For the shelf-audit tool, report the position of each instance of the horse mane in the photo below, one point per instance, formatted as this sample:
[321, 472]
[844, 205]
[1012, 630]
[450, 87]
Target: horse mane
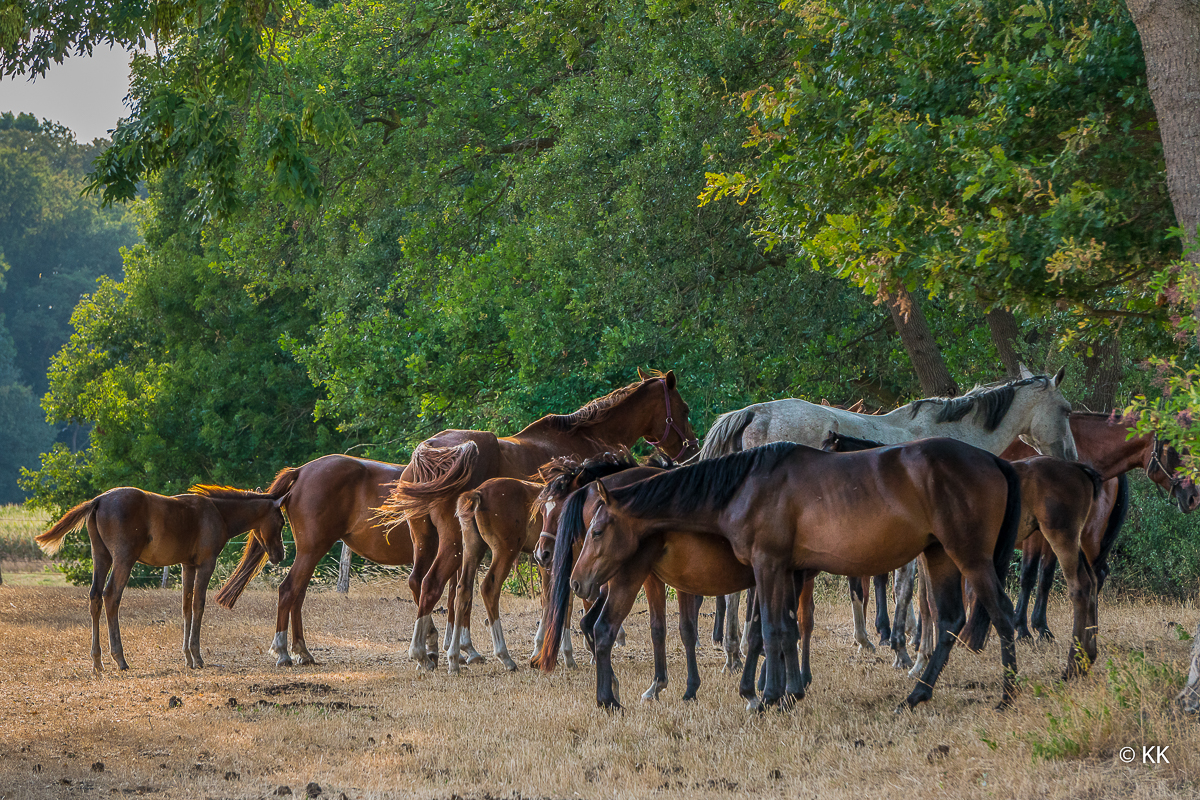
[225, 492]
[707, 484]
[596, 410]
[565, 474]
[990, 402]
[845, 443]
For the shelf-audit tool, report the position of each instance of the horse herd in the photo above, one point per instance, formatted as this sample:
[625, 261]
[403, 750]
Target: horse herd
[939, 490]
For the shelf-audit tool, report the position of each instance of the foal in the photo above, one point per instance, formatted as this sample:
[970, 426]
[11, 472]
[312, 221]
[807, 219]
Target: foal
[128, 526]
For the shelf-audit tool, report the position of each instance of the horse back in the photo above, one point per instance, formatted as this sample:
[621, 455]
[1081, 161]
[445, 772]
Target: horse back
[156, 529]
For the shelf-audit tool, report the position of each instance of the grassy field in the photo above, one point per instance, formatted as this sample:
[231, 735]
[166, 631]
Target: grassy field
[365, 724]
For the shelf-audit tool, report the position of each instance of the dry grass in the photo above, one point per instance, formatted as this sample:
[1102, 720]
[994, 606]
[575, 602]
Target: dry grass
[365, 724]
[18, 526]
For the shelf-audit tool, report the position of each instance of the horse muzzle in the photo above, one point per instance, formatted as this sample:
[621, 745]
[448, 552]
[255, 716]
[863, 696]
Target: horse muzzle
[585, 590]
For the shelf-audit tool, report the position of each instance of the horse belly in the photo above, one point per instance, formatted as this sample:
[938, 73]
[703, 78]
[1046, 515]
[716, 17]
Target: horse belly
[701, 564]
[860, 544]
[393, 548]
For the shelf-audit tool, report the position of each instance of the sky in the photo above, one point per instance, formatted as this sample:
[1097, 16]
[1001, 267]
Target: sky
[85, 93]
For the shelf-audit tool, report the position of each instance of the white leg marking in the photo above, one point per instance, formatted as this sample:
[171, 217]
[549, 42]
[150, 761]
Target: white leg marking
[567, 650]
[860, 627]
[464, 641]
[500, 648]
[453, 635]
[416, 650]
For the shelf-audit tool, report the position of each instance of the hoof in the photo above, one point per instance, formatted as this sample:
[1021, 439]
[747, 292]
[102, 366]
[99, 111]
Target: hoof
[867, 646]
[754, 704]
[1045, 637]
[902, 661]
[570, 662]
[305, 660]
[475, 657]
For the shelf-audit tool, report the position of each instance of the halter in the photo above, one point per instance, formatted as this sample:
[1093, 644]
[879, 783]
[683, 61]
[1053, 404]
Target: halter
[671, 426]
[1155, 462]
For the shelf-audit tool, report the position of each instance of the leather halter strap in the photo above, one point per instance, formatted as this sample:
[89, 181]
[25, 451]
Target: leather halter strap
[671, 426]
[1155, 462]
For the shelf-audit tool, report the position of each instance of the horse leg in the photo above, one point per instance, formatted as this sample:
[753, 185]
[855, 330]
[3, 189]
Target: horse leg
[472, 557]
[1081, 588]
[927, 626]
[444, 567]
[188, 581]
[905, 579]
[719, 621]
[858, 601]
[112, 605]
[945, 583]
[806, 621]
[1031, 557]
[101, 564]
[297, 580]
[689, 634]
[489, 590]
[990, 593]
[754, 647]
[777, 599]
[425, 544]
[656, 599]
[1045, 583]
[614, 609]
[750, 611]
[199, 597]
[882, 620]
[733, 659]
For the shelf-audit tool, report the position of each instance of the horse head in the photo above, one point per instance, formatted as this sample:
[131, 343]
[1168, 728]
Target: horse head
[609, 542]
[1049, 416]
[1165, 468]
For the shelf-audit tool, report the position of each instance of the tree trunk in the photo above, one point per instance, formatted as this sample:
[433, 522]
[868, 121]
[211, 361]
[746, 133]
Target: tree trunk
[1102, 374]
[1170, 32]
[1003, 327]
[922, 350]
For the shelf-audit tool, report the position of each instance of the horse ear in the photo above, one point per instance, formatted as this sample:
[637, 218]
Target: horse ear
[641, 375]
[1058, 377]
[670, 378]
[857, 408]
[280, 501]
[824, 401]
[602, 492]
[1029, 442]
[1024, 371]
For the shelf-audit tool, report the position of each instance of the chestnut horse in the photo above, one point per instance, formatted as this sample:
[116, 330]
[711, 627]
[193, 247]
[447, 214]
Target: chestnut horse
[1056, 498]
[1110, 446]
[452, 462]
[127, 526]
[786, 508]
[329, 498]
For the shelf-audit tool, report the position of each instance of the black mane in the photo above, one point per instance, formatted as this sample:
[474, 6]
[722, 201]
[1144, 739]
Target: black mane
[990, 403]
[707, 484]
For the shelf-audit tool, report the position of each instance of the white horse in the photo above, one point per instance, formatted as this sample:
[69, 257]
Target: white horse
[989, 417]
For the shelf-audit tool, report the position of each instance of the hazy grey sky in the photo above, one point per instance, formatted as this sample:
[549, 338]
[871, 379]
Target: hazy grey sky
[84, 93]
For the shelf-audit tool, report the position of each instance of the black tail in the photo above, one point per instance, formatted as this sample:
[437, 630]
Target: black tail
[975, 633]
[570, 526]
[1116, 520]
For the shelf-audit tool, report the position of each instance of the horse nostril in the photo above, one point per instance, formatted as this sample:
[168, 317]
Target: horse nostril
[575, 587]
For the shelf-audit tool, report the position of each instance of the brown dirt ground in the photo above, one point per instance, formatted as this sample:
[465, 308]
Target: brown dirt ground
[365, 724]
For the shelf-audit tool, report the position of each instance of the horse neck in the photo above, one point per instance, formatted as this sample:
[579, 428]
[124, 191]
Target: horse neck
[241, 513]
[1105, 445]
[925, 425]
[623, 424]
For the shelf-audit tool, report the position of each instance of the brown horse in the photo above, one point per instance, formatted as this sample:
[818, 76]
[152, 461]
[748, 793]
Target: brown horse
[128, 526]
[1056, 498]
[685, 561]
[1110, 446]
[786, 509]
[330, 498]
[453, 462]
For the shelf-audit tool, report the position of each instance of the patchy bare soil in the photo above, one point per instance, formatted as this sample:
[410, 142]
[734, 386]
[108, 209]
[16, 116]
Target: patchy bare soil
[365, 724]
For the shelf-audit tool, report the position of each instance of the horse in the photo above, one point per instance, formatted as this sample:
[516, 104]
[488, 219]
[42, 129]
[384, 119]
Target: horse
[329, 498]
[1056, 500]
[1109, 445]
[693, 565]
[787, 510]
[454, 461]
[989, 417]
[128, 525]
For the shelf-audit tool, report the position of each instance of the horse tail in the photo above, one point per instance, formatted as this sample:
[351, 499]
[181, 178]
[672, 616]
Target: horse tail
[468, 504]
[254, 558]
[570, 525]
[284, 480]
[976, 631]
[51, 541]
[439, 474]
[1116, 519]
[725, 435]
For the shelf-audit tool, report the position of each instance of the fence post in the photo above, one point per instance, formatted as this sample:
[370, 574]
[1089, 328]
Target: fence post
[166, 579]
[343, 584]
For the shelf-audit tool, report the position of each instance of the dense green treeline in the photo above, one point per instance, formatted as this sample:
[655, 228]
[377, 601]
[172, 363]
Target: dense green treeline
[465, 215]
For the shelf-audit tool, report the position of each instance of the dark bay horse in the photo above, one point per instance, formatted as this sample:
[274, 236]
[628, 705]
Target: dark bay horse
[455, 461]
[328, 499]
[1056, 498]
[128, 526]
[786, 509]
[1108, 445]
[694, 564]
